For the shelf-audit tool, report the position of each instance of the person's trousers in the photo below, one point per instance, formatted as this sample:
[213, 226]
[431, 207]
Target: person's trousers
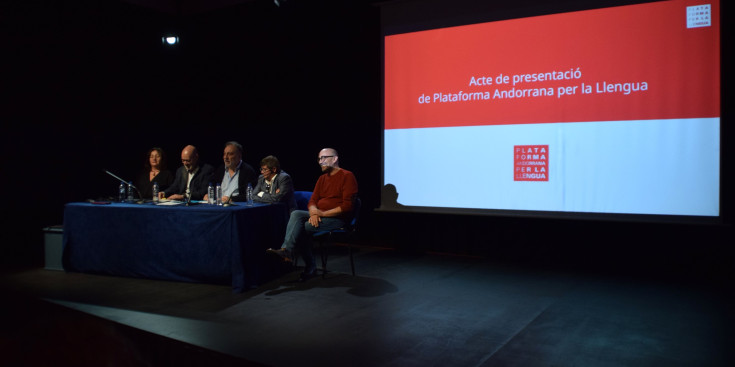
[298, 235]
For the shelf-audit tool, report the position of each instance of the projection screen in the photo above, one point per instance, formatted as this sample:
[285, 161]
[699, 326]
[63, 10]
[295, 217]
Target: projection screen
[612, 111]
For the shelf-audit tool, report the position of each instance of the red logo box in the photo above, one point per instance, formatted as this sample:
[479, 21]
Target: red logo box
[531, 163]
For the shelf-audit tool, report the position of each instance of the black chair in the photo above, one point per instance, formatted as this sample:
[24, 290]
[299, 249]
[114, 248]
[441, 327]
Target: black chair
[341, 235]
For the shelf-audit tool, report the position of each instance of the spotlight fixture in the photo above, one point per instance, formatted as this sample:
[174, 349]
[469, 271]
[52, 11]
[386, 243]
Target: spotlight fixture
[170, 40]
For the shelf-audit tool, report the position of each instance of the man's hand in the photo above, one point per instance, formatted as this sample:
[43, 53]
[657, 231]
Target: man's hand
[314, 220]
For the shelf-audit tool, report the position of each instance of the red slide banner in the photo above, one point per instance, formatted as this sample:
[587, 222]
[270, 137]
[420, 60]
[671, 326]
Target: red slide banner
[638, 62]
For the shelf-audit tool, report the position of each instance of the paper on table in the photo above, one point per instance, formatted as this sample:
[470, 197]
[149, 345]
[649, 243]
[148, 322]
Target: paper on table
[170, 202]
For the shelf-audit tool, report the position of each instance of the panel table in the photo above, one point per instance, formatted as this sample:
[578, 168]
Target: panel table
[200, 243]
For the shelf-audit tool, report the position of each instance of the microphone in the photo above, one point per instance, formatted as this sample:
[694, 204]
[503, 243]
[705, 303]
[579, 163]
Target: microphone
[118, 178]
[129, 183]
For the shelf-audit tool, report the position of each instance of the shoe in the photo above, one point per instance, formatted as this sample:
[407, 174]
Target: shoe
[307, 275]
[284, 254]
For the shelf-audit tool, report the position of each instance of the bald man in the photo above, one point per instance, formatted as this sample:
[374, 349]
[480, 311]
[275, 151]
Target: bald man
[330, 207]
[191, 177]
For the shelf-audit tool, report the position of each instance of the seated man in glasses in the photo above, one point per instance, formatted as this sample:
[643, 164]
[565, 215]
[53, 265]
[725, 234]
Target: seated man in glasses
[330, 207]
[274, 185]
[191, 180]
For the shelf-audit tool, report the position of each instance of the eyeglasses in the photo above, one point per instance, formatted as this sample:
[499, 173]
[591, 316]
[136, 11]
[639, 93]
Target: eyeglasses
[325, 157]
[264, 169]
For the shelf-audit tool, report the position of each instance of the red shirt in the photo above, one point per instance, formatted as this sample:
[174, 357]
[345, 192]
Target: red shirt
[336, 190]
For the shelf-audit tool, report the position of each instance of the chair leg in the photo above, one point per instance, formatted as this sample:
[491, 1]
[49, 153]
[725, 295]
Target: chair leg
[352, 259]
[324, 244]
[324, 254]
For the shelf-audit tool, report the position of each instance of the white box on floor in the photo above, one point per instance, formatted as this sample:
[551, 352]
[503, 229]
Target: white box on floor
[53, 247]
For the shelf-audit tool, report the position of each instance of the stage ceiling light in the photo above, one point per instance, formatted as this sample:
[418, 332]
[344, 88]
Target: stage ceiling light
[170, 40]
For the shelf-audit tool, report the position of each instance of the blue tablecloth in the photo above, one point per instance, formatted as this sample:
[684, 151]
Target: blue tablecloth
[201, 243]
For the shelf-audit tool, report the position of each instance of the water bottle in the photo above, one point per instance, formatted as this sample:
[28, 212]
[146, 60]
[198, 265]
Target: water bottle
[211, 195]
[250, 195]
[219, 194]
[130, 192]
[123, 193]
[155, 191]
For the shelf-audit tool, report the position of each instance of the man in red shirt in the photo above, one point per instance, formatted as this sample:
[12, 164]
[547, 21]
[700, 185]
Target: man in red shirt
[330, 207]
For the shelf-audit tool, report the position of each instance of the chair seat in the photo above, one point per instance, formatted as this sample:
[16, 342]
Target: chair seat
[337, 232]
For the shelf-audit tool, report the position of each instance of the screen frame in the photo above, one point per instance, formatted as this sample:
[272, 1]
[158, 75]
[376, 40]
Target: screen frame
[406, 17]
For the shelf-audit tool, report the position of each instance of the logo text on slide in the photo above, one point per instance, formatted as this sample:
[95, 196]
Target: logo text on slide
[531, 163]
[699, 16]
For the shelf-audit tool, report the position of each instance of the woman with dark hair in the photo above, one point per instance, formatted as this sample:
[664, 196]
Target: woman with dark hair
[154, 170]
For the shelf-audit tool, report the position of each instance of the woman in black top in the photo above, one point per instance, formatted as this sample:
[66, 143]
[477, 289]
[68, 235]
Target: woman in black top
[155, 170]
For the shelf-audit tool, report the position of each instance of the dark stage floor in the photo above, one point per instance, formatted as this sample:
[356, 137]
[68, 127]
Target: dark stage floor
[400, 310]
